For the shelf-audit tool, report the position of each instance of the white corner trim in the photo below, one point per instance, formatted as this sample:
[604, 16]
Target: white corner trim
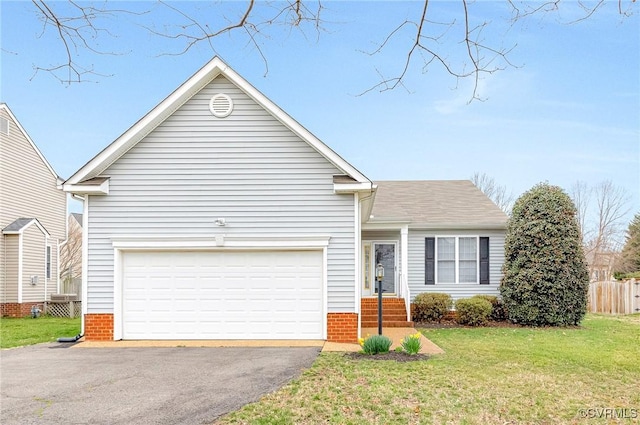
[357, 248]
[85, 260]
[213, 241]
[20, 268]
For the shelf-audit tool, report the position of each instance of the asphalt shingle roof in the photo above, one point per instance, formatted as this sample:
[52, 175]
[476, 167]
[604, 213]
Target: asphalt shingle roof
[17, 225]
[455, 203]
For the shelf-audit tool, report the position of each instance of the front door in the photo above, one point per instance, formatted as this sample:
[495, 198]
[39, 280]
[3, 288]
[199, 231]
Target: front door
[379, 253]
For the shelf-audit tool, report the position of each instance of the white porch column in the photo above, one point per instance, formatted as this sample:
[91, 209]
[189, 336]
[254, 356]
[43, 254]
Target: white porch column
[404, 258]
[404, 261]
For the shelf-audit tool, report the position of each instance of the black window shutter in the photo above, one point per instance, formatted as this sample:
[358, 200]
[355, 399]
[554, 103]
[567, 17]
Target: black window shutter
[484, 261]
[429, 261]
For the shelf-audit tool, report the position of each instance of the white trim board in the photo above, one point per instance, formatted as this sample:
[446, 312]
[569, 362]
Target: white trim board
[188, 89]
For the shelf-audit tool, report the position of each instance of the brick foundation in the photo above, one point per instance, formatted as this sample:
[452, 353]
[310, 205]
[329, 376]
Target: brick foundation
[18, 309]
[98, 327]
[342, 327]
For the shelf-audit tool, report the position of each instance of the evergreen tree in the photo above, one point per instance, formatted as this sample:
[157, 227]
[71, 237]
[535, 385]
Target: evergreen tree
[630, 256]
[545, 274]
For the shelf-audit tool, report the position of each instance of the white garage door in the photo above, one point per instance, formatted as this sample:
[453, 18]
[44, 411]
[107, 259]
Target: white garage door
[222, 295]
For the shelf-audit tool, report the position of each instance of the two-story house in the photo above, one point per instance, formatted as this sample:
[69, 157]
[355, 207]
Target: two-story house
[32, 221]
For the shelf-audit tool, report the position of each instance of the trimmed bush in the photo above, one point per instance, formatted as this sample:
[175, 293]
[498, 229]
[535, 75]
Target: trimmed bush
[376, 344]
[545, 278]
[473, 311]
[498, 313]
[431, 307]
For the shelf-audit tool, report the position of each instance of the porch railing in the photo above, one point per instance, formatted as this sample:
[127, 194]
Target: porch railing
[405, 293]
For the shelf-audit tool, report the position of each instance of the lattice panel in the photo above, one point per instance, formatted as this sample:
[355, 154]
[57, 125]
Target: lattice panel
[63, 308]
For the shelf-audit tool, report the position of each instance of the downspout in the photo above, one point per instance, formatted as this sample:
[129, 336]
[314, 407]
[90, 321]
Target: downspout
[85, 255]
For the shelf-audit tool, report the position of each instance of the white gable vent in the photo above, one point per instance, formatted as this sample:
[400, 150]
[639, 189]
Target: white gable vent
[221, 105]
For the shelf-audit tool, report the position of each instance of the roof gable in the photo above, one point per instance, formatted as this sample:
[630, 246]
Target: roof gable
[454, 204]
[182, 94]
[22, 224]
[5, 107]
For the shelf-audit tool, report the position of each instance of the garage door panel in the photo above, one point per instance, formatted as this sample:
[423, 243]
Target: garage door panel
[222, 295]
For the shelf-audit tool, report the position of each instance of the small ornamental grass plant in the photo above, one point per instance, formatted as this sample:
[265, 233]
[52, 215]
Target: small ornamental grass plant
[375, 344]
[411, 344]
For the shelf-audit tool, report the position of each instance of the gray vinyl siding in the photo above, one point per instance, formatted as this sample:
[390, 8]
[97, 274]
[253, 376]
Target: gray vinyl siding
[33, 264]
[248, 168]
[27, 189]
[10, 260]
[456, 290]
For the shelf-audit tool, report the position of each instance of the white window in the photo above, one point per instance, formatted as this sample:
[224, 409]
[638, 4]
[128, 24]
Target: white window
[468, 260]
[4, 126]
[457, 260]
[446, 255]
[48, 270]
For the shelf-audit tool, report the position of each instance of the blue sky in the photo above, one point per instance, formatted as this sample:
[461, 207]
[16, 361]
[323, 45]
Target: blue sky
[570, 110]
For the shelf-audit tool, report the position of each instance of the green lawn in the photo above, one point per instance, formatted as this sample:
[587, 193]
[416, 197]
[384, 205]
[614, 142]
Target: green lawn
[487, 376]
[27, 331]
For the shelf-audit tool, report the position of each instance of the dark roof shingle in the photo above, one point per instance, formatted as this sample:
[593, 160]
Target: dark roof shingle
[438, 203]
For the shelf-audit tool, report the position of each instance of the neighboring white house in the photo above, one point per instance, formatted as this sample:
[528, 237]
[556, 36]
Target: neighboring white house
[32, 219]
[71, 257]
[218, 216]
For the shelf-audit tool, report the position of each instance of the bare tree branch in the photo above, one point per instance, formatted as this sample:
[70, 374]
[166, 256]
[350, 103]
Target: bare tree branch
[602, 226]
[497, 193]
[79, 27]
[581, 196]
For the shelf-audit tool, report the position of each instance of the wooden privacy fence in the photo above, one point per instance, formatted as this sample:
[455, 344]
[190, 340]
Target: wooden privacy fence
[614, 297]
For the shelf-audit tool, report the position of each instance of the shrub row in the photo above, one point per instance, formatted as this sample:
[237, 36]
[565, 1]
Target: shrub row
[474, 311]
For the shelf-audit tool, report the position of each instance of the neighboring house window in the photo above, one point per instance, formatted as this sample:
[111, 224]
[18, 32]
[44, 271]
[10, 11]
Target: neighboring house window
[48, 270]
[4, 126]
[457, 260]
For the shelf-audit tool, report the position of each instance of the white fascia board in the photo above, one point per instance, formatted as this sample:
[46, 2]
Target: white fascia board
[352, 187]
[220, 241]
[385, 225]
[457, 226]
[149, 122]
[87, 189]
[183, 93]
[295, 126]
[33, 145]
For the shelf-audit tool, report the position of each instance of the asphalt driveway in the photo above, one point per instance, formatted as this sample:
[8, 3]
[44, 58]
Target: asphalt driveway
[52, 384]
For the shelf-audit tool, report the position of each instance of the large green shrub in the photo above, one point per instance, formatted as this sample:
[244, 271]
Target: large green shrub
[545, 278]
[498, 313]
[431, 307]
[473, 311]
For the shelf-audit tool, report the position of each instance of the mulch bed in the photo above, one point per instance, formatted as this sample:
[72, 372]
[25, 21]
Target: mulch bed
[391, 355]
[450, 324]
